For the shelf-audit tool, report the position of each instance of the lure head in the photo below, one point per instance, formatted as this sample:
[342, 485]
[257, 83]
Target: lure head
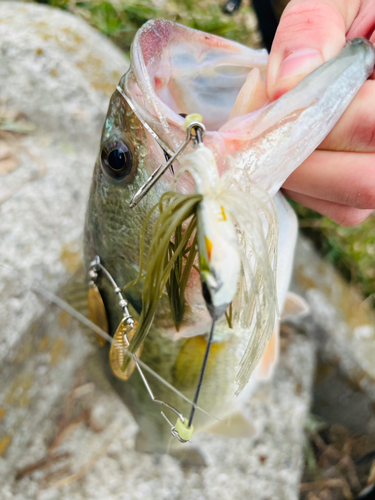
[219, 256]
[218, 246]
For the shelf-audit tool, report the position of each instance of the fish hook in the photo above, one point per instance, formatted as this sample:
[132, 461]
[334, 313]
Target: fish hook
[199, 131]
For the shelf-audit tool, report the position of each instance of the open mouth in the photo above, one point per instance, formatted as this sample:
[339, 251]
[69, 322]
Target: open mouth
[186, 71]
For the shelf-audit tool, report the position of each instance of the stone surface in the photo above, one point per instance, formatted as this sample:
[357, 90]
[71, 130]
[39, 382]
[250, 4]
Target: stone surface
[345, 337]
[49, 57]
[58, 73]
[265, 466]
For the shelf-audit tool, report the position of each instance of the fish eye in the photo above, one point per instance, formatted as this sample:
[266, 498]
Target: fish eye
[117, 159]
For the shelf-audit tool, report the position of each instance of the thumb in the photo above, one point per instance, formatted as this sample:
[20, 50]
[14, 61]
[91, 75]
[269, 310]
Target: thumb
[310, 32]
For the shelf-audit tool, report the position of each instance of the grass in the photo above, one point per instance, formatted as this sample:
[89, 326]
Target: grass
[120, 19]
[352, 250]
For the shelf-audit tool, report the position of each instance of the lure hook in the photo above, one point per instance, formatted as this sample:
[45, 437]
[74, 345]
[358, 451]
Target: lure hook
[181, 431]
[194, 132]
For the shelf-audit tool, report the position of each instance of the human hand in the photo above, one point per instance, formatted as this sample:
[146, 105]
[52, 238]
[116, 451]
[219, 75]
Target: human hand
[338, 179]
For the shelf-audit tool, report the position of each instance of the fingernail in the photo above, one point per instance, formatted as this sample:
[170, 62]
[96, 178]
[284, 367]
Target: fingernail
[300, 62]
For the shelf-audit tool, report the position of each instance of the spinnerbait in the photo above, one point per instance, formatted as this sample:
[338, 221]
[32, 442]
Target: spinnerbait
[183, 429]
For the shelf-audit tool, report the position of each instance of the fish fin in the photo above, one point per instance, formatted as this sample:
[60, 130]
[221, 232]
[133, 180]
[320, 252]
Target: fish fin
[236, 425]
[75, 292]
[188, 365]
[293, 306]
[252, 96]
[270, 356]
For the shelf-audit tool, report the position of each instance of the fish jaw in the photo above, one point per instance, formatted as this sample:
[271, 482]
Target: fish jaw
[273, 141]
[179, 70]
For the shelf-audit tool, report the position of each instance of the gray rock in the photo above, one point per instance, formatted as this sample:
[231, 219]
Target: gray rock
[263, 466]
[50, 58]
[345, 336]
[58, 72]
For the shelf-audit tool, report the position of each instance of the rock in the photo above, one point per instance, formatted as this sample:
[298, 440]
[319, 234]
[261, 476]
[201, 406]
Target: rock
[42, 202]
[265, 466]
[49, 57]
[57, 73]
[345, 335]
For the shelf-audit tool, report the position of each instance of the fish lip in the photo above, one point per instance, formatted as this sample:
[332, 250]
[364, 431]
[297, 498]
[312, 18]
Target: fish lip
[359, 41]
[363, 42]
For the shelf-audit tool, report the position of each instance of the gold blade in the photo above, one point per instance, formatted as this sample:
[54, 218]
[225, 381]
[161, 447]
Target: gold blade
[117, 351]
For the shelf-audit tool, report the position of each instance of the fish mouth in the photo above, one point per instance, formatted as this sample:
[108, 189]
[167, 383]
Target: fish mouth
[180, 71]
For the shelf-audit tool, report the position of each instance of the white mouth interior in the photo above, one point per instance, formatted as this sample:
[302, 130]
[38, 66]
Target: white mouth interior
[191, 72]
[189, 80]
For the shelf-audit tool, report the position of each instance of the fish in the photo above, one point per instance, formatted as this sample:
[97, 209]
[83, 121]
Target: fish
[250, 146]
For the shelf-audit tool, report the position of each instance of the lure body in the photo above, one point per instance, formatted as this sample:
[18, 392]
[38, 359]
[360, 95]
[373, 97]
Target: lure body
[219, 259]
[179, 70]
[218, 246]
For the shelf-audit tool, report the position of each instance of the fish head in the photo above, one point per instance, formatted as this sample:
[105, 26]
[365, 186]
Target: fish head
[174, 71]
[127, 156]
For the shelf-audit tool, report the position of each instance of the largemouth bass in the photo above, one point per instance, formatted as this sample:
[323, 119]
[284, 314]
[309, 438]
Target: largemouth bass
[255, 145]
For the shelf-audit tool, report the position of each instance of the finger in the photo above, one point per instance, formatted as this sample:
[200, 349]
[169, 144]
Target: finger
[364, 23]
[343, 178]
[355, 131]
[310, 33]
[342, 214]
